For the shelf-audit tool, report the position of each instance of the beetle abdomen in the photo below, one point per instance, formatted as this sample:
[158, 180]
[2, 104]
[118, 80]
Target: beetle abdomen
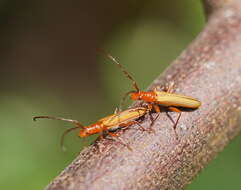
[169, 99]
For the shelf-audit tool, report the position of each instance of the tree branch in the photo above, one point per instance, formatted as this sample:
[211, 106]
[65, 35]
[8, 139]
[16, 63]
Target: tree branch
[213, 5]
[210, 70]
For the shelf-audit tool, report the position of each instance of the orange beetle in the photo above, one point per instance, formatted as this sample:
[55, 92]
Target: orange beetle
[105, 125]
[155, 98]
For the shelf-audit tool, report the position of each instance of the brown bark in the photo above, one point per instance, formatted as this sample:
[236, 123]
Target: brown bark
[212, 6]
[210, 70]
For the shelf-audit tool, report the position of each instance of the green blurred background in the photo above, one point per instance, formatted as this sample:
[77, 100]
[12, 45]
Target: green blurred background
[49, 66]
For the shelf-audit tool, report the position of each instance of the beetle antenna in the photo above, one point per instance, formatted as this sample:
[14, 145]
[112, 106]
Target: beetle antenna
[75, 122]
[134, 84]
[124, 99]
[64, 134]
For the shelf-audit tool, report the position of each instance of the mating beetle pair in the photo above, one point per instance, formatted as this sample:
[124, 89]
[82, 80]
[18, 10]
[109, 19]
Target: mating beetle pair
[123, 119]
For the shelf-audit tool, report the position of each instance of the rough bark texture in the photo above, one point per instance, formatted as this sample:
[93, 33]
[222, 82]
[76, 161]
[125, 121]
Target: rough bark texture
[210, 70]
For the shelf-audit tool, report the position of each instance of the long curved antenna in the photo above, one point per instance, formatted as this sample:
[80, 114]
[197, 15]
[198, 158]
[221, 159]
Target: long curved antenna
[75, 122]
[64, 134]
[124, 99]
[134, 84]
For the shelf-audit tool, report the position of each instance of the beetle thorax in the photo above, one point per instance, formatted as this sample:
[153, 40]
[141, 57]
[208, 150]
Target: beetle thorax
[90, 130]
[146, 96]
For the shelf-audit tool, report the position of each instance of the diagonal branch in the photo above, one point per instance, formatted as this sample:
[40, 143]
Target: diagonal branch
[210, 70]
[212, 6]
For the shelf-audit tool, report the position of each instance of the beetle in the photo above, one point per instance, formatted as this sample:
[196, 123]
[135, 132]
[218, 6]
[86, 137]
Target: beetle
[156, 97]
[106, 125]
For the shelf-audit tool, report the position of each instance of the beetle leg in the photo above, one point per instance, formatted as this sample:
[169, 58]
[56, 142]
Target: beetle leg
[153, 121]
[120, 140]
[126, 125]
[141, 127]
[149, 107]
[166, 88]
[170, 87]
[156, 108]
[178, 111]
[113, 134]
